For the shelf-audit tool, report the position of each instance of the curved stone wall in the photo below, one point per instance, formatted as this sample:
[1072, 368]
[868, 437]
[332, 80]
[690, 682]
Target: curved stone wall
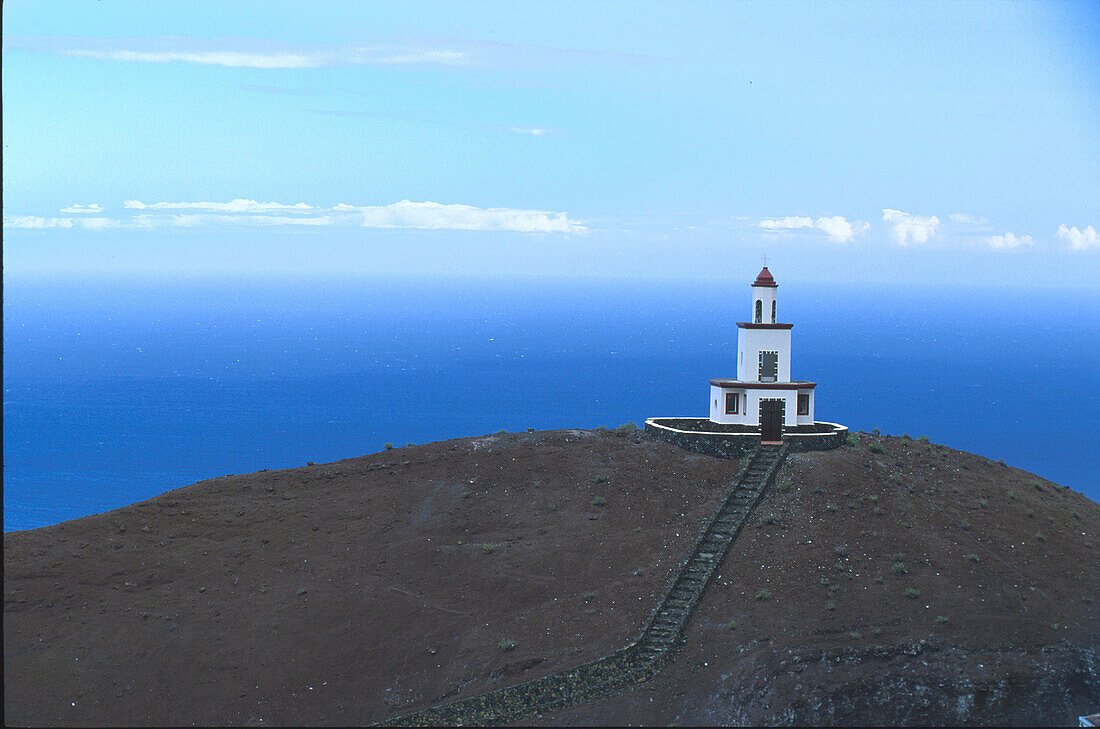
[701, 435]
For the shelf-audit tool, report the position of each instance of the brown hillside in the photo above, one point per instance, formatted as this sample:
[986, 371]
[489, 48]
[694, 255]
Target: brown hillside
[353, 591]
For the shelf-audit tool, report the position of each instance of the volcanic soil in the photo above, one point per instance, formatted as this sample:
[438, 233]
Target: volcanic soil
[891, 581]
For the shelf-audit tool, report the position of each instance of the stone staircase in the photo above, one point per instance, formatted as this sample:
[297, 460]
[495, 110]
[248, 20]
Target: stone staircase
[643, 657]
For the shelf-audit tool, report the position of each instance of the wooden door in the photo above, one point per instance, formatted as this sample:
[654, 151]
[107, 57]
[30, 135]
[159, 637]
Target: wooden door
[771, 420]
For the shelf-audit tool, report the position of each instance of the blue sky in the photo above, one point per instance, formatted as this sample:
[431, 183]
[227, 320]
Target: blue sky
[888, 141]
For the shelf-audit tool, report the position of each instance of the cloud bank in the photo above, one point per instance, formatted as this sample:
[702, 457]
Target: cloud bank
[837, 227]
[437, 216]
[77, 209]
[233, 206]
[243, 212]
[1008, 240]
[269, 54]
[907, 228]
[1079, 240]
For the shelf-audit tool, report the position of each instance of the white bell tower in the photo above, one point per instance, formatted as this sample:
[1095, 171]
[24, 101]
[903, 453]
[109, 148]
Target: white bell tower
[763, 344]
[763, 394]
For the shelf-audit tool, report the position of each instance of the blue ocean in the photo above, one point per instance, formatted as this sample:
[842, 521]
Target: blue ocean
[118, 390]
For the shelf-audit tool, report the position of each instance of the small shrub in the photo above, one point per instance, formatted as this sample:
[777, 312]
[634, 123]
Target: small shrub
[854, 634]
[830, 605]
[896, 478]
[1074, 514]
[465, 494]
[830, 507]
[972, 557]
[627, 427]
[923, 439]
[876, 447]
[388, 446]
[488, 547]
[873, 498]
[877, 510]
[879, 580]
[852, 440]
[1011, 494]
[732, 625]
[876, 631]
[941, 619]
[410, 443]
[1001, 461]
[502, 431]
[763, 595]
[906, 436]
[1030, 513]
[911, 593]
[600, 479]
[964, 525]
[770, 519]
[841, 550]
[599, 501]
[983, 503]
[1087, 600]
[784, 487]
[899, 567]
[818, 490]
[506, 645]
[875, 432]
[1040, 536]
[589, 596]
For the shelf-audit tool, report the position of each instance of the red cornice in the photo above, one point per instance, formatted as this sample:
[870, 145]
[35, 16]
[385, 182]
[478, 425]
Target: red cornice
[739, 385]
[750, 325]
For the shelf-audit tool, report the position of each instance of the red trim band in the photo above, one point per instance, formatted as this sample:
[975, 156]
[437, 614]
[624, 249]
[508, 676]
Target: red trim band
[738, 384]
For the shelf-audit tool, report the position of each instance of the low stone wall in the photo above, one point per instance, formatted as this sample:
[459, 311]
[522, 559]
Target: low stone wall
[700, 435]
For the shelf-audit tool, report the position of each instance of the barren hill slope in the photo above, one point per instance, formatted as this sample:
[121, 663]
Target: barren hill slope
[354, 591]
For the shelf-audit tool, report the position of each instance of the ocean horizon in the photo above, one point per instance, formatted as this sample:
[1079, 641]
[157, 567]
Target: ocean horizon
[117, 390]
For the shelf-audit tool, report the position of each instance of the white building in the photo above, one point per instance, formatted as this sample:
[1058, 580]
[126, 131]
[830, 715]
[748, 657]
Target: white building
[763, 394]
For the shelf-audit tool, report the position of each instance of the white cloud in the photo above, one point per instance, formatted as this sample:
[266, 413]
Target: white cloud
[967, 218]
[230, 59]
[242, 212]
[837, 227]
[77, 209]
[33, 221]
[1079, 239]
[1008, 240]
[908, 228]
[423, 56]
[533, 131]
[786, 223]
[437, 216]
[233, 206]
[36, 222]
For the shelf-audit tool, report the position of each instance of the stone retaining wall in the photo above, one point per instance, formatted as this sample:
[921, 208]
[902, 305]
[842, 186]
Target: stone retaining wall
[700, 435]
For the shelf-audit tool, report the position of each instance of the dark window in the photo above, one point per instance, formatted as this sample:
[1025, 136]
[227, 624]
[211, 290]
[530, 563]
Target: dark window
[759, 312]
[733, 399]
[769, 366]
[773, 312]
[803, 404]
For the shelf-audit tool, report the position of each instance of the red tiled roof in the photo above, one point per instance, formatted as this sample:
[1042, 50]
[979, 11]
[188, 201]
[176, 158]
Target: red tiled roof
[764, 278]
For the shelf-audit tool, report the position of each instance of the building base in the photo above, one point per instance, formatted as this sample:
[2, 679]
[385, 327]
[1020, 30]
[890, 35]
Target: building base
[702, 435]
